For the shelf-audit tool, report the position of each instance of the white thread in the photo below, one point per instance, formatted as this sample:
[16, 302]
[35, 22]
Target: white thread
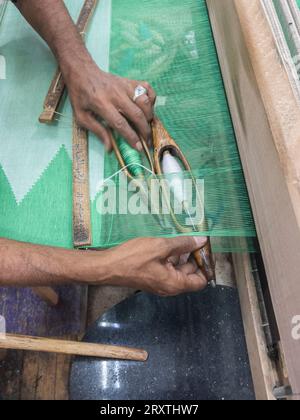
[122, 170]
[171, 166]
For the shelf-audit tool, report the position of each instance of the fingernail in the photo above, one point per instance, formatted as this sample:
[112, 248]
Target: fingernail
[139, 146]
[200, 241]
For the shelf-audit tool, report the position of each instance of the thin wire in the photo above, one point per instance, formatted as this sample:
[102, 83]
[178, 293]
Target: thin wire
[113, 176]
[190, 216]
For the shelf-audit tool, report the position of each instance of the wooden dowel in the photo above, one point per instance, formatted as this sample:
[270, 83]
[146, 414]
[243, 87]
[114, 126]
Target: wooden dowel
[47, 294]
[18, 342]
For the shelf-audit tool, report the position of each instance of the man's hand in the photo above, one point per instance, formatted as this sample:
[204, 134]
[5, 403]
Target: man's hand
[159, 266]
[98, 98]
[101, 99]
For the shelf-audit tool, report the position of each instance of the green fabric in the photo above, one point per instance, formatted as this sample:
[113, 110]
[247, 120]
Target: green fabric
[168, 43]
[35, 160]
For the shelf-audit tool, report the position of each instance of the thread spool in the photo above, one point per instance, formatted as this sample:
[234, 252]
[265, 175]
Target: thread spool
[132, 159]
[171, 166]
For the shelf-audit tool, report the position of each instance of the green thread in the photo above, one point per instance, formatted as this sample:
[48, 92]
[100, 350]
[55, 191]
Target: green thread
[132, 159]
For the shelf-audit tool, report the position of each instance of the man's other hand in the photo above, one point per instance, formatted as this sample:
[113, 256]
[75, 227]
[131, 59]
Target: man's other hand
[102, 100]
[99, 99]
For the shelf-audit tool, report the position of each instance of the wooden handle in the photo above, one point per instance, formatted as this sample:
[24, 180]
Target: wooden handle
[47, 294]
[18, 342]
[162, 141]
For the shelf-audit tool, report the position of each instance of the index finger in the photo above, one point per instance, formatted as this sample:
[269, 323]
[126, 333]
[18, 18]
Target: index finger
[184, 245]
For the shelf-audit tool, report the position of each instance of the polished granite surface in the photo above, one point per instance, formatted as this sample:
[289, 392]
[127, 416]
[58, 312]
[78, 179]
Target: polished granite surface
[196, 350]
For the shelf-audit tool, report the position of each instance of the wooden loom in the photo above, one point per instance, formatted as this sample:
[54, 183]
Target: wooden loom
[263, 90]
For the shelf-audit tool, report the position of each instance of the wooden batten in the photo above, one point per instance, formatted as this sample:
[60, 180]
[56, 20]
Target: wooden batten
[264, 370]
[262, 90]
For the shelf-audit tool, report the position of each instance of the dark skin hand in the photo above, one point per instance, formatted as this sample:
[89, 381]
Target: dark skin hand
[98, 98]
[152, 265]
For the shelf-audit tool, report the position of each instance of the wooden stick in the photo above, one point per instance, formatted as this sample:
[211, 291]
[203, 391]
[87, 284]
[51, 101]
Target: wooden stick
[82, 236]
[57, 87]
[47, 294]
[18, 342]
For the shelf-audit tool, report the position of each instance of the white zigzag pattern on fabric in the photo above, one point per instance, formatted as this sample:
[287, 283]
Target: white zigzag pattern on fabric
[25, 157]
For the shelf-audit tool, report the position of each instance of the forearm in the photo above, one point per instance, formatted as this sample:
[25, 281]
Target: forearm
[32, 265]
[51, 19]
[146, 264]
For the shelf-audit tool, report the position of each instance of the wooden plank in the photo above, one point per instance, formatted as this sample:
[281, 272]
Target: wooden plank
[44, 381]
[82, 235]
[264, 371]
[10, 378]
[18, 342]
[266, 116]
[63, 367]
[45, 389]
[29, 376]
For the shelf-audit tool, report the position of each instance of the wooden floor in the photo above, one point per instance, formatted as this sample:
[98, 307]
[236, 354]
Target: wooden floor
[34, 376]
[40, 376]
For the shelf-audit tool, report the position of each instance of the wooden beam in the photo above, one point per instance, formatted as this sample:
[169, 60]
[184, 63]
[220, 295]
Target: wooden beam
[265, 110]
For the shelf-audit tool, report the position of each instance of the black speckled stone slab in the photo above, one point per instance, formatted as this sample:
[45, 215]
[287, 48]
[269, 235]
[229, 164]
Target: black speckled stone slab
[196, 350]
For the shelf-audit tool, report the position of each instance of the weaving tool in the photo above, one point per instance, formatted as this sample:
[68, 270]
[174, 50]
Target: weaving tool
[57, 86]
[164, 146]
[132, 166]
[164, 149]
[129, 159]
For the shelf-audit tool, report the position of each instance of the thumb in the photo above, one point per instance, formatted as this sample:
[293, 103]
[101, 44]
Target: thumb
[185, 245]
